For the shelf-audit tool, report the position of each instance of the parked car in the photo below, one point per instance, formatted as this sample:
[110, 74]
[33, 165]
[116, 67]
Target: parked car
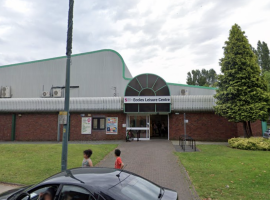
[267, 134]
[93, 184]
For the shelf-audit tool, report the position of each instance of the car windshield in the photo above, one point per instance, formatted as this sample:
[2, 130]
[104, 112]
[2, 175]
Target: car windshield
[136, 188]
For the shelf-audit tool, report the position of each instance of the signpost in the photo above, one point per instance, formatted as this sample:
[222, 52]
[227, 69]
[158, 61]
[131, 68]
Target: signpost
[185, 121]
[67, 87]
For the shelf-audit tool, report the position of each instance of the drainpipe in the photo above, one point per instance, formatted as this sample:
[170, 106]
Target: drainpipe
[13, 127]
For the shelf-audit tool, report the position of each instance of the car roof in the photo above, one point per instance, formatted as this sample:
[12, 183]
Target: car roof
[89, 177]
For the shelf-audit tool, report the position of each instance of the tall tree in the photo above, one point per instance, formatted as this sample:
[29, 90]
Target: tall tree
[266, 76]
[202, 78]
[255, 52]
[263, 56]
[259, 53]
[242, 92]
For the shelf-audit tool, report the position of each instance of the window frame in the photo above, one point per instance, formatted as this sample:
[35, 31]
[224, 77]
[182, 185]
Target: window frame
[71, 185]
[98, 123]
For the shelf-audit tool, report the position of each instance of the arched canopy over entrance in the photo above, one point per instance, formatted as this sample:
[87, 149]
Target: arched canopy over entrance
[147, 93]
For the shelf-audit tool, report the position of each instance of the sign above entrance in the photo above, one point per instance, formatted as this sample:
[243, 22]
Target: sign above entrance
[147, 99]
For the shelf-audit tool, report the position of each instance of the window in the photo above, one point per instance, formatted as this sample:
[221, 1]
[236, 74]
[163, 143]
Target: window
[138, 121]
[98, 123]
[136, 188]
[147, 85]
[36, 193]
[70, 192]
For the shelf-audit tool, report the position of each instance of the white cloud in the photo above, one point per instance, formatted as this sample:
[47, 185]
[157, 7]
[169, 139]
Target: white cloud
[168, 38]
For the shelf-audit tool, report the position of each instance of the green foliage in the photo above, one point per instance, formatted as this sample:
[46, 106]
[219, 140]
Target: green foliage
[266, 76]
[202, 78]
[263, 56]
[220, 172]
[250, 143]
[242, 92]
[32, 163]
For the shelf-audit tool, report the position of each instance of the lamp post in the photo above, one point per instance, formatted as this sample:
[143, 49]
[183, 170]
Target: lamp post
[185, 132]
[67, 88]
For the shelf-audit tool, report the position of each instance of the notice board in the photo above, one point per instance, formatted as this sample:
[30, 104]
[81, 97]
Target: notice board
[111, 125]
[86, 125]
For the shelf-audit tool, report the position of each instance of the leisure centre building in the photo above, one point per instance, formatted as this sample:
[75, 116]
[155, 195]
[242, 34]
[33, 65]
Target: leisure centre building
[106, 102]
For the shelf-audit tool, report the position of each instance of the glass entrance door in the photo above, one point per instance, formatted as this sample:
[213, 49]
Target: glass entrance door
[139, 125]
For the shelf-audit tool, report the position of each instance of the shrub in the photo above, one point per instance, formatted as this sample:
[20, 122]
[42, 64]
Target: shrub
[253, 143]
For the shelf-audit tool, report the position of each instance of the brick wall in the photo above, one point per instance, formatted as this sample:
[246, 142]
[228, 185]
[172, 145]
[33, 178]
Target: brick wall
[256, 129]
[5, 127]
[43, 127]
[208, 127]
[36, 127]
[202, 126]
[75, 128]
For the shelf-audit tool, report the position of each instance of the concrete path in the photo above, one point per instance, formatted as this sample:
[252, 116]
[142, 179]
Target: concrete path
[6, 187]
[154, 160]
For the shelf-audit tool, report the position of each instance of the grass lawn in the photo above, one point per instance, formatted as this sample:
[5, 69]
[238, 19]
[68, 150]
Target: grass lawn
[219, 172]
[31, 163]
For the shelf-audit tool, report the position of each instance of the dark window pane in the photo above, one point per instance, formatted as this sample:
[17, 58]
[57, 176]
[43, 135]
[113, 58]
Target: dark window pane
[95, 123]
[135, 84]
[98, 123]
[151, 80]
[159, 84]
[143, 80]
[163, 92]
[102, 123]
[163, 107]
[131, 107]
[131, 92]
[137, 121]
[148, 107]
[147, 92]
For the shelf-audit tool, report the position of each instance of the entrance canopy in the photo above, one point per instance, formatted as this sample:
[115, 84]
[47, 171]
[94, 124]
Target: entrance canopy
[147, 93]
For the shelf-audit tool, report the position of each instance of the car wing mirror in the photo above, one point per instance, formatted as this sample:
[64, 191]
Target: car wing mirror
[23, 196]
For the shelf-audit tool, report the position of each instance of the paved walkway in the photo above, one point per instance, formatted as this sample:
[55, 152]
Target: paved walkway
[6, 187]
[155, 161]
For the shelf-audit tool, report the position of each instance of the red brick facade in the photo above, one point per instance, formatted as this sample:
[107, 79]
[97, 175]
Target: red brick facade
[36, 127]
[208, 127]
[43, 127]
[256, 128]
[75, 128]
[5, 126]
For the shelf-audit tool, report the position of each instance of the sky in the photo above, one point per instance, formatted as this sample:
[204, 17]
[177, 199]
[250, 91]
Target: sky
[167, 38]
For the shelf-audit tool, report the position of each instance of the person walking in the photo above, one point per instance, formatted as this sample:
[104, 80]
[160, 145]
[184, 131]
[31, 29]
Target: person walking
[163, 130]
[118, 162]
[154, 128]
[87, 162]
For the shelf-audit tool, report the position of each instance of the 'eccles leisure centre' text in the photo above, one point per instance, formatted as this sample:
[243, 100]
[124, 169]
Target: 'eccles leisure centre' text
[151, 100]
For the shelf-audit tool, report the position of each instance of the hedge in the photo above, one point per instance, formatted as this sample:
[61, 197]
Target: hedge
[253, 143]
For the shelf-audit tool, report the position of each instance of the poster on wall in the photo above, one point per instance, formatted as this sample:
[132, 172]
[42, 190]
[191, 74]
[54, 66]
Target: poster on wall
[111, 125]
[86, 125]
